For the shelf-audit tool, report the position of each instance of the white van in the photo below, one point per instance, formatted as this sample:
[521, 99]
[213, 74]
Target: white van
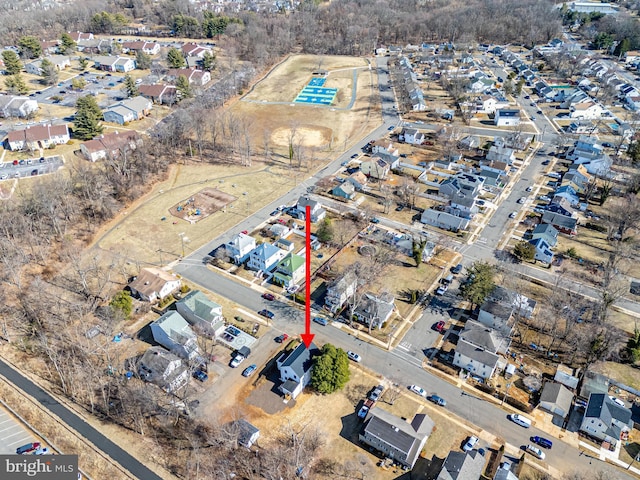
[520, 420]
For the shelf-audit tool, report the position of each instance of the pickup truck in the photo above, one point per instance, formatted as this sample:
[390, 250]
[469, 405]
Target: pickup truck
[368, 405]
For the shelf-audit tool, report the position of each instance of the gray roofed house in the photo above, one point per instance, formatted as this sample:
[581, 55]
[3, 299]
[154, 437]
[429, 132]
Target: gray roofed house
[17, 106]
[606, 420]
[556, 399]
[547, 232]
[239, 248]
[394, 437]
[134, 108]
[462, 466]
[505, 473]
[245, 433]
[474, 359]
[295, 369]
[563, 223]
[480, 335]
[163, 368]
[494, 314]
[344, 190]
[444, 220]
[174, 333]
[375, 310]
[201, 312]
[317, 212]
[152, 284]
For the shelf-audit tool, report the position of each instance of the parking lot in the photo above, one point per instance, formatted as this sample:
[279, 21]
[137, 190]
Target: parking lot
[12, 434]
[31, 167]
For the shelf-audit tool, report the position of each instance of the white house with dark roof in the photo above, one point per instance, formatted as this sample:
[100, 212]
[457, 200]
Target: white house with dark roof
[317, 212]
[60, 62]
[245, 433]
[375, 167]
[128, 110]
[444, 220]
[606, 420]
[394, 437]
[475, 360]
[482, 336]
[265, 257]
[111, 63]
[37, 137]
[153, 284]
[239, 248]
[163, 368]
[506, 117]
[295, 369]
[543, 251]
[201, 312]
[111, 145]
[340, 290]
[174, 333]
[150, 48]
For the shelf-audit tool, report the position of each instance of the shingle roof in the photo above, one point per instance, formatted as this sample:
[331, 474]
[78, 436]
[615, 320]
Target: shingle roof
[397, 432]
[462, 466]
[476, 353]
[200, 305]
[300, 359]
[557, 394]
[151, 280]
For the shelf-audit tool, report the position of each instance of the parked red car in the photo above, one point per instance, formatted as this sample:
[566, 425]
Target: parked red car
[268, 296]
[439, 327]
[282, 338]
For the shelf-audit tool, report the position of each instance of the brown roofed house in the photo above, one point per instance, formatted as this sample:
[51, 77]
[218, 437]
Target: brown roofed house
[110, 145]
[159, 93]
[36, 137]
[153, 284]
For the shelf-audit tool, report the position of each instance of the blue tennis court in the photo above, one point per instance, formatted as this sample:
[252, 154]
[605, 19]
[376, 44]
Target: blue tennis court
[315, 93]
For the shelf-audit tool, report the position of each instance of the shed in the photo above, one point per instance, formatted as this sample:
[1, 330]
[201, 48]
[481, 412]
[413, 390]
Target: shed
[556, 399]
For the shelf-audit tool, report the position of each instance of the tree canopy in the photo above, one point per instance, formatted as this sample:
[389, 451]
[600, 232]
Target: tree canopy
[479, 284]
[29, 47]
[183, 87]
[12, 64]
[524, 251]
[130, 87]
[67, 44]
[86, 124]
[331, 370]
[175, 59]
[48, 72]
[325, 230]
[122, 303]
[16, 84]
[143, 61]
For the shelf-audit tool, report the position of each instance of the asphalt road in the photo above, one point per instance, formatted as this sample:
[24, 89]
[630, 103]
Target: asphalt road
[127, 462]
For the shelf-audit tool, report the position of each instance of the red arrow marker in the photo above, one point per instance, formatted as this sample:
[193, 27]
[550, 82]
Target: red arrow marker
[307, 336]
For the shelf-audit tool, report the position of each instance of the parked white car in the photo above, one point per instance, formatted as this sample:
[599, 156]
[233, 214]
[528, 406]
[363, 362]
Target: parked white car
[470, 443]
[419, 390]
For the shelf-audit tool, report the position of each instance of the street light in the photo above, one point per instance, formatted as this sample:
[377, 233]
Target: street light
[183, 239]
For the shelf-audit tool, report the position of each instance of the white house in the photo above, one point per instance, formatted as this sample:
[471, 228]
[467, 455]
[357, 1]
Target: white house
[606, 420]
[60, 62]
[240, 247]
[317, 212]
[340, 290]
[134, 108]
[17, 106]
[114, 64]
[150, 48]
[265, 257]
[295, 369]
[110, 145]
[163, 368]
[375, 310]
[413, 136]
[586, 110]
[475, 359]
[201, 312]
[506, 117]
[174, 333]
[375, 168]
[37, 137]
[153, 284]
[194, 76]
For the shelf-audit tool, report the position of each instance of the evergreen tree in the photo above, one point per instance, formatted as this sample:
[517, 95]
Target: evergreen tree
[67, 44]
[330, 370]
[86, 124]
[15, 84]
[143, 61]
[48, 72]
[122, 303]
[524, 251]
[175, 59]
[622, 47]
[29, 47]
[12, 64]
[130, 87]
[208, 61]
[183, 87]
[479, 284]
[83, 63]
[325, 231]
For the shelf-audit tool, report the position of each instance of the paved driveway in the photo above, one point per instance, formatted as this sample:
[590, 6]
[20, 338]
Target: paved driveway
[13, 434]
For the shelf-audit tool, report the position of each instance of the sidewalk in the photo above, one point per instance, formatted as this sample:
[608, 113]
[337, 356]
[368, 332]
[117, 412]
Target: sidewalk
[608, 456]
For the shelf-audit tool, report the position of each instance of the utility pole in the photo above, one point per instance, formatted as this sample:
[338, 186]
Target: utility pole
[183, 239]
[506, 392]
